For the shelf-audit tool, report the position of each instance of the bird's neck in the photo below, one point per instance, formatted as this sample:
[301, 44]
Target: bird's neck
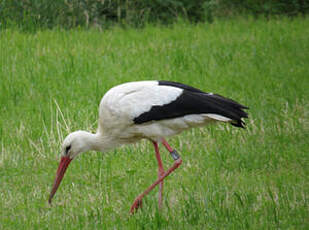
[100, 142]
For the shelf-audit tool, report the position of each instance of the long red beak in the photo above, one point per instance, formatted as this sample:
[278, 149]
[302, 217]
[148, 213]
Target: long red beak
[63, 165]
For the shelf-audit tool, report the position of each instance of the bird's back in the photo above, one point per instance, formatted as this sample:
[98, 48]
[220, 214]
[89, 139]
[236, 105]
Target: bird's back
[127, 101]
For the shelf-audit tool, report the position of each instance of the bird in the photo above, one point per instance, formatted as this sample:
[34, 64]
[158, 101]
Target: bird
[152, 110]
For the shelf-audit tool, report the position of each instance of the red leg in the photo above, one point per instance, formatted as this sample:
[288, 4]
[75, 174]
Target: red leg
[160, 172]
[172, 151]
[167, 146]
[138, 200]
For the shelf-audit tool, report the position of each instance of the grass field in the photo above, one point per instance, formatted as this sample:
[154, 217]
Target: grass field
[51, 83]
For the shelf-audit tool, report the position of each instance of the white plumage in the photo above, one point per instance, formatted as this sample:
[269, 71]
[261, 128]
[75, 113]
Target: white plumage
[152, 110]
[121, 104]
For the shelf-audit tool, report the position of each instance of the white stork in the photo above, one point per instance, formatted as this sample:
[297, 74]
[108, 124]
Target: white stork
[152, 110]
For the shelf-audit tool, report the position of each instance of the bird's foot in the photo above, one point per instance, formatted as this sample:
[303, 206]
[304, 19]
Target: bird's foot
[136, 205]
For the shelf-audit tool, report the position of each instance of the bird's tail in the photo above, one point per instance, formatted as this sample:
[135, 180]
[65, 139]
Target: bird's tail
[229, 108]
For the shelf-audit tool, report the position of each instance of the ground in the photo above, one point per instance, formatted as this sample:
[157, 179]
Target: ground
[52, 82]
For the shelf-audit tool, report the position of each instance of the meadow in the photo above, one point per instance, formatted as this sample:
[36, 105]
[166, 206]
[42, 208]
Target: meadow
[51, 83]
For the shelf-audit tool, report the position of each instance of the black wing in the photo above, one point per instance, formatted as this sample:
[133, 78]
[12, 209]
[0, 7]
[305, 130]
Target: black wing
[194, 101]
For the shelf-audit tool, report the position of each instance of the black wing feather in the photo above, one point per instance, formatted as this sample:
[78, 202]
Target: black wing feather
[180, 85]
[195, 101]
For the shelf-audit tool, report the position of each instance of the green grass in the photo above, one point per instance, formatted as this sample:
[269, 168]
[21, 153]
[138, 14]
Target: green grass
[51, 83]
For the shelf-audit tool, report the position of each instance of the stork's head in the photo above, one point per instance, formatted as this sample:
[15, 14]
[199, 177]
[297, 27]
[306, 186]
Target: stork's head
[74, 144]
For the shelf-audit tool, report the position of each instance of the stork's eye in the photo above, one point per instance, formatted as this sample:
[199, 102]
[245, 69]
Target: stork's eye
[67, 149]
